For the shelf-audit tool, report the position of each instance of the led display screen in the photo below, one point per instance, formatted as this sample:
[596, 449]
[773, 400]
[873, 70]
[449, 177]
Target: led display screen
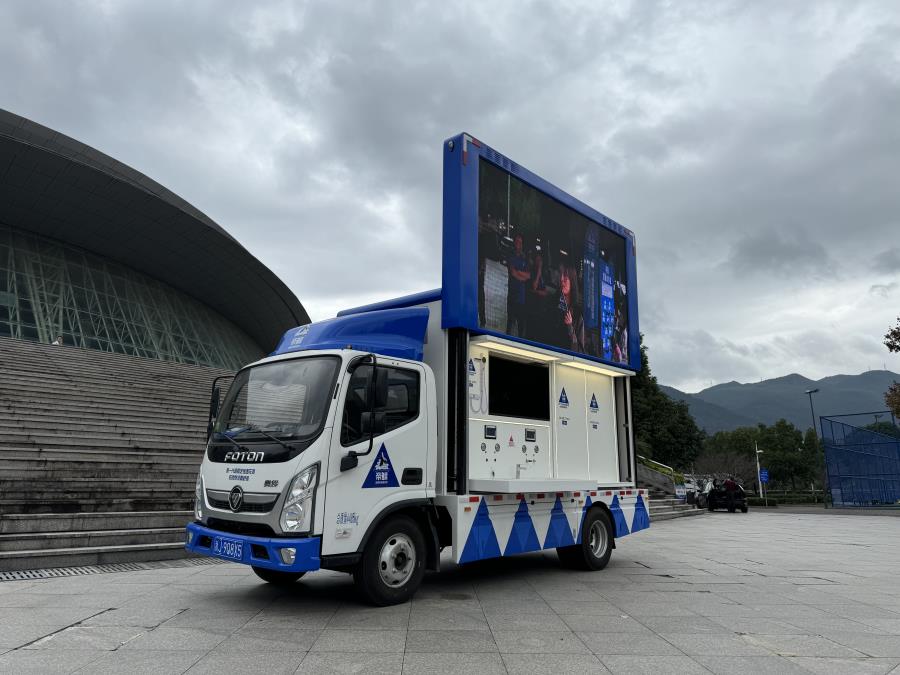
[546, 273]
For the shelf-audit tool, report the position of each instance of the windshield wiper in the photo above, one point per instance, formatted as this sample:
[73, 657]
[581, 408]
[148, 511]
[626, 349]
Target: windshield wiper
[259, 431]
[222, 434]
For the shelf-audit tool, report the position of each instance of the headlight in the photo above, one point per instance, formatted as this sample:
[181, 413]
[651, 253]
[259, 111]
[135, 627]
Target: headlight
[198, 498]
[296, 514]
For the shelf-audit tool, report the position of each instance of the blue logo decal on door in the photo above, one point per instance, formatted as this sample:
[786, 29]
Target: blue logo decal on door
[381, 473]
[563, 399]
[594, 406]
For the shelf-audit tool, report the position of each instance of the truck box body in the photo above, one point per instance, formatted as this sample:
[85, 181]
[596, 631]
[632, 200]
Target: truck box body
[494, 413]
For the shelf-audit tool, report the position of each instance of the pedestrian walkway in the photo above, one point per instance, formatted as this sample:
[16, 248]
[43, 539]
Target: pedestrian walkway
[728, 593]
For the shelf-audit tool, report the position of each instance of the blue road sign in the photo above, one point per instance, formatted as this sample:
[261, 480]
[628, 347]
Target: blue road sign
[763, 475]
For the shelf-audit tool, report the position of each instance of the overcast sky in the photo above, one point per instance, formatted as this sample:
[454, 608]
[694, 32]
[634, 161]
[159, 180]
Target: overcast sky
[754, 147]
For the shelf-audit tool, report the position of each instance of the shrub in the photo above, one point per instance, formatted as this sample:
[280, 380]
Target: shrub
[759, 501]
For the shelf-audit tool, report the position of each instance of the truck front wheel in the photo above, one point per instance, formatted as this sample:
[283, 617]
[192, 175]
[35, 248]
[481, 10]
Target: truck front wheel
[392, 564]
[595, 549]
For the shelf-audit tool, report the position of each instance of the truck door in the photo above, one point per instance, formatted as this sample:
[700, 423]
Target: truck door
[396, 468]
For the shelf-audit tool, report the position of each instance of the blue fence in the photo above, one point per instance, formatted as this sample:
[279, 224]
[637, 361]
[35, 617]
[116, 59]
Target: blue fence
[863, 465]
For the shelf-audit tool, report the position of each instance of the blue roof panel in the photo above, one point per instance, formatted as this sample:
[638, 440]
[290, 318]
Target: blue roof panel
[389, 332]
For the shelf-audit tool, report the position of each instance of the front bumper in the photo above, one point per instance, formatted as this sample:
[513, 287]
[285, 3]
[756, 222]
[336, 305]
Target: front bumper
[256, 551]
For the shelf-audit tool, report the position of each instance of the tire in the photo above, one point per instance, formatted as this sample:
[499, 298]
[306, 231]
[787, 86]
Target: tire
[745, 508]
[731, 509]
[596, 545]
[276, 577]
[709, 506]
[393, 562]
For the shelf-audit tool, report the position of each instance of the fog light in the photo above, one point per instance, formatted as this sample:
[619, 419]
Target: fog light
[288, 555]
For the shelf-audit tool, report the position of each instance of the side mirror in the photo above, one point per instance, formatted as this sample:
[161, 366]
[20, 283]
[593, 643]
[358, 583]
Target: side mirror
[214, 403]
[372, 423]
[381, 388]
[349, 461]
[213, 410]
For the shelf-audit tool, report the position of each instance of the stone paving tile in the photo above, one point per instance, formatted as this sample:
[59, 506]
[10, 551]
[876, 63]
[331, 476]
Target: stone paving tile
[178, 638]
[134, 615]
[750, 665]
[431, 617]
[271, 662]
[198, 618]
[651, 665]
[553, 664]
[338, 662]
[627, 643]
[825, 666]
[759, 626]
[89, 637]
[16, 636]
[370, 641]
[450, 641]
[682, 624]
[604, 624]
[715, 644]
[45, 616]
[441, 664]
[142, 662]
[870, 645]
[47, 661]
[802, 645]
[371, 618]
[523, 620]
[283, 638]
[535, 642]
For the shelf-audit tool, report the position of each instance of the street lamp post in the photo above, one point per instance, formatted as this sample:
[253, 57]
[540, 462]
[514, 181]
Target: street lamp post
[758, 480]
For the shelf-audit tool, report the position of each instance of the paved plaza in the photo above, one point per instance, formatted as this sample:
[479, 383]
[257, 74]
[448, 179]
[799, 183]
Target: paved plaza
[765, 592]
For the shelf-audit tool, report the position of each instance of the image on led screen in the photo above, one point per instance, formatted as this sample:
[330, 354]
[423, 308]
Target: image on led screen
[546, 273]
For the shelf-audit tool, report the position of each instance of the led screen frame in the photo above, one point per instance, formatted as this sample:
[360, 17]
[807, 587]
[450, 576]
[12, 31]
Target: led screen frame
[607, 296]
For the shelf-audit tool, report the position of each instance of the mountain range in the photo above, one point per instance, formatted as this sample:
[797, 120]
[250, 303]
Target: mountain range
[727, 406]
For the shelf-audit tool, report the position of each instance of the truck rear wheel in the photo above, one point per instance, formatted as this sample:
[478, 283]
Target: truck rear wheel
[595, 549]
[276, 577]
[393, 562]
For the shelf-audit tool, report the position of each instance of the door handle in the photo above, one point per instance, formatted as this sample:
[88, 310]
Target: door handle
[411, 476]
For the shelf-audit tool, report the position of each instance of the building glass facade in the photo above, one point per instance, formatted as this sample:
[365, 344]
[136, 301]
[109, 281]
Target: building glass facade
[48, 288]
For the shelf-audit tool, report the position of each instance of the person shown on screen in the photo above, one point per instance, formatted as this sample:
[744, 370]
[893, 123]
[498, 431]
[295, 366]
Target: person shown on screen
[570, 310]
[519, 275]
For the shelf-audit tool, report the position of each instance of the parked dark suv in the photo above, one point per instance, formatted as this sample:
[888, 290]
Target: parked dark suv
[715, 496]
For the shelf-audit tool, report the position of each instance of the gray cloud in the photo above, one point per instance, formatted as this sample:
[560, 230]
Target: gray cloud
[753, 148]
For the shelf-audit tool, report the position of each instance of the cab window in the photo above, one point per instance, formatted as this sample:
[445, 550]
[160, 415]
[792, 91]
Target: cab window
[402, 405]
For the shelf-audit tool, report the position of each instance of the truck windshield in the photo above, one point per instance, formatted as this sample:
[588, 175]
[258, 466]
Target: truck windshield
[284, 398]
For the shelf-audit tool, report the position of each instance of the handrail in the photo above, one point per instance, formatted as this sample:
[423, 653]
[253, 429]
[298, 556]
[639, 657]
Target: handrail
[672, 472]
[653, 461]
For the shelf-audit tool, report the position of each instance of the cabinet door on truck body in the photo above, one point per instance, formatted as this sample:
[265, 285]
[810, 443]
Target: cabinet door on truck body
[354, 498]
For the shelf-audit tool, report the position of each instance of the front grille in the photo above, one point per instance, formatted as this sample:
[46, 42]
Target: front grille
[245, 507]
[237, 527]
[253, 502]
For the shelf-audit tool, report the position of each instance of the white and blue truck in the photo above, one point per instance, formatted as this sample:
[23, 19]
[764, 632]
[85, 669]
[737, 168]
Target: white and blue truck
[490, 417]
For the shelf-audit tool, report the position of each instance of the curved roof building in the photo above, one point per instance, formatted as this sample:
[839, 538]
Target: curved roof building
[95, 251]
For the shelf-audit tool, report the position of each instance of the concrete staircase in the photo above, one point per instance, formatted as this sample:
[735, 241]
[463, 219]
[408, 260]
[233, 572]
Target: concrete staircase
[664, 506]
[98, 455]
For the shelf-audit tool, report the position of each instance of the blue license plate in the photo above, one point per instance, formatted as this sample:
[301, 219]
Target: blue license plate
[228, 548]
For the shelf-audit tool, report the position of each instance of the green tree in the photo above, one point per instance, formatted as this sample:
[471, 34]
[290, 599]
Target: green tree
[664, 429]
[892, 342]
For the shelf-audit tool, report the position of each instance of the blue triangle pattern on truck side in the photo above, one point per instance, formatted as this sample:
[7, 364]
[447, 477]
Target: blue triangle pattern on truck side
[381, 473]
[522, 537]
[641, 517]
[618, 517]
[482, 540]
[587, 505]
[558, 534]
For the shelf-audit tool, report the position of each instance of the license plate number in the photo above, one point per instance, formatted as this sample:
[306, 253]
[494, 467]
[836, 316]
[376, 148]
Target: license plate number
[228, 548]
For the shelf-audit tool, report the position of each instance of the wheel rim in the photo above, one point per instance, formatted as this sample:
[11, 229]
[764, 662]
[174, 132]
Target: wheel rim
[397, 560]
[599, 539]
